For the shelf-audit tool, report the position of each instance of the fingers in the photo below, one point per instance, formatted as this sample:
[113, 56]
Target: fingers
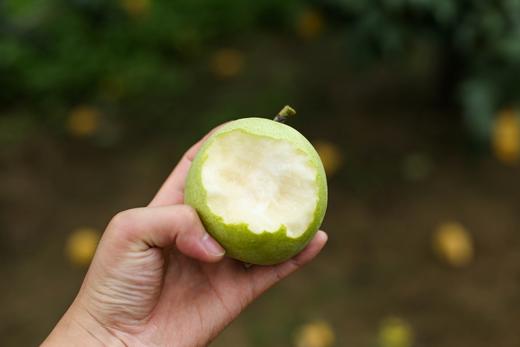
[177, 225]
[172, 190]
[265, 277]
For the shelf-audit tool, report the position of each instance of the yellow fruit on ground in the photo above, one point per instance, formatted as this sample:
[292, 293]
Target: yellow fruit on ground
[330, 155]
[395, 332]
[83, 121]
[506, 137]
[310, 24]
[315, 334]
[227, 62]
[453, 244]
[81, 245]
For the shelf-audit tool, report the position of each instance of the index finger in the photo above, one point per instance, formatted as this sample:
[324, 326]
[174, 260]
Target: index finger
[172, 190]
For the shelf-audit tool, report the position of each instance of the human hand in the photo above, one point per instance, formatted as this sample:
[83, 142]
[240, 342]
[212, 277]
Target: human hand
[159, 279]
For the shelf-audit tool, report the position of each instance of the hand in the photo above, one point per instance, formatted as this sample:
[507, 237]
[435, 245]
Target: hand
[159, 279]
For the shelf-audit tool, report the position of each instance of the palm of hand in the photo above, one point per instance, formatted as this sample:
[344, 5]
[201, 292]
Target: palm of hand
[201, 299]
[176, 300]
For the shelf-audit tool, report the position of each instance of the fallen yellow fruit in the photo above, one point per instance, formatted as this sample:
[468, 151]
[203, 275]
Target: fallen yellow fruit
[81, 245]
[227, 62]
[506, 137]
[395, 332]
[453, 244]
[330, 155]
[315, 334]
[310, 24]
[83, 121]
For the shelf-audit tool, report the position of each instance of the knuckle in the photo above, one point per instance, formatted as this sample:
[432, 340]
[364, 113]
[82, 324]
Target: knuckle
[189, 214]
[123, 221]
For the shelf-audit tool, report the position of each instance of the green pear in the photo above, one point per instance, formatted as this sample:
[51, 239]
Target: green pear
[259, 188]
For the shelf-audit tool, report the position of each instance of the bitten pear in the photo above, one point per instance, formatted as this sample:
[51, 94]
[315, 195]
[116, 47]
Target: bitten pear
[259, 188]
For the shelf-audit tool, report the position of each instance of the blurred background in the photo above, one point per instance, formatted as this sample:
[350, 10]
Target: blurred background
[413, 106]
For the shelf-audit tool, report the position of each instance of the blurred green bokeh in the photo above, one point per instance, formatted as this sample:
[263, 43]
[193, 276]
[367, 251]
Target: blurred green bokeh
[126, 55]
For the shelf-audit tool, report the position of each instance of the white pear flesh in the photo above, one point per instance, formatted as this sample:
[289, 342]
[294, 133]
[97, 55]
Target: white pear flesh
[262, 182]
[259, 188]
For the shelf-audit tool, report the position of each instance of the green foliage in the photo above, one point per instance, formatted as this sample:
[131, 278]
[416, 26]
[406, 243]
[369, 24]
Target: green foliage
[65, 50]
[55, 54]
[480, 41]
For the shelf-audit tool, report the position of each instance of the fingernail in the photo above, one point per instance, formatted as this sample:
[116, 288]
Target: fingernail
[323, 235]
[211, 246]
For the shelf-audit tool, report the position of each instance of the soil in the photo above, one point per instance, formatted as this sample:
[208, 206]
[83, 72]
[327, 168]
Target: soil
[378, 262]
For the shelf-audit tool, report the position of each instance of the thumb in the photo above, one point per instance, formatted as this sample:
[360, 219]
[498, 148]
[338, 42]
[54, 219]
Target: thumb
[159, 227]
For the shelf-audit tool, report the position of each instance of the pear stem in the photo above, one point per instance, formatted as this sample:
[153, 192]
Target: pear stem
[286, 112]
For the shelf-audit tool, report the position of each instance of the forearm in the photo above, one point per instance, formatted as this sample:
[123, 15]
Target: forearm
[78, 328]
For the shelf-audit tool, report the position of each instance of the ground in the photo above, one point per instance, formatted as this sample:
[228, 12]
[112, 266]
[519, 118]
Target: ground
[378, 261]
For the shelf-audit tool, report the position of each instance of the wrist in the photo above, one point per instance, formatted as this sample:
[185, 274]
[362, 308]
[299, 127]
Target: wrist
[77, 327]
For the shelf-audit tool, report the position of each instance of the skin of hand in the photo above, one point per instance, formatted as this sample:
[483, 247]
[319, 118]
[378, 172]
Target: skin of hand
[159, 279]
